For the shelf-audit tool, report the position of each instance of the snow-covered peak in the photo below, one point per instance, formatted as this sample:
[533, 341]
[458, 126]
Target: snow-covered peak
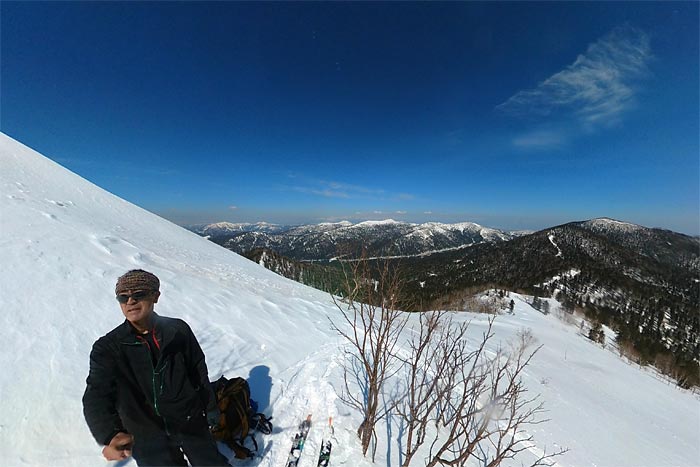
[312, 229]
[227, 228]
[520, 233]
[472, 228]
[607, 224]
[384, 222]
[462, 226]
[339, 224]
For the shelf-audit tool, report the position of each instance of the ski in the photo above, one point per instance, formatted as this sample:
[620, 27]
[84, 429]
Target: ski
[324, 456]
[298, 443]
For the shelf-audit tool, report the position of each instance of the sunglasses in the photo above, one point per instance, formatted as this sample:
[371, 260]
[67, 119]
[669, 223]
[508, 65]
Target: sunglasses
[140, 295]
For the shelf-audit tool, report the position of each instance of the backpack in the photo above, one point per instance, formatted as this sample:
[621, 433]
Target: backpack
[238, 417]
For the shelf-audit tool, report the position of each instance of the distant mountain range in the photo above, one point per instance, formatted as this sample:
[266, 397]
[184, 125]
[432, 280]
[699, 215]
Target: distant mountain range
[644, 282]
[227, 228]
[328, 241]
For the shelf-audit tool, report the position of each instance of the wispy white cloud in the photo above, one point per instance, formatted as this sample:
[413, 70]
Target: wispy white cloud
[233, 208]
[597, 88]
[326, 193]
[541, 139]
[349, 188]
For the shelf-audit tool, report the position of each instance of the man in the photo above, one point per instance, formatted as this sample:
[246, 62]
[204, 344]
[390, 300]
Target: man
[148, 392]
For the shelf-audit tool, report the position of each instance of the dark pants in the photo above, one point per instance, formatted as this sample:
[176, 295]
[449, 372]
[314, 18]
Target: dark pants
[163, 450]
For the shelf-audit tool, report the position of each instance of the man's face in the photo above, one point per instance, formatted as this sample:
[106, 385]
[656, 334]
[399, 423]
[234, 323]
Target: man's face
[139, 304]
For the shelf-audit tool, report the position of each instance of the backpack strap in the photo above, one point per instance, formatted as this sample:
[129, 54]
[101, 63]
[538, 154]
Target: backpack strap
[259, 422]
[242, 452]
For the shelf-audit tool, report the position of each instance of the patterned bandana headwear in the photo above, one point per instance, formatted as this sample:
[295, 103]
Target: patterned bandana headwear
[137, 279]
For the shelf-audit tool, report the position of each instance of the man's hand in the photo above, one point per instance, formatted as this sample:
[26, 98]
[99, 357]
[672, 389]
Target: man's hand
[119, 448]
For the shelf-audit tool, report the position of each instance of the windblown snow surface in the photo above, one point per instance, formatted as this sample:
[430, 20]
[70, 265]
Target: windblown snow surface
[64, 241]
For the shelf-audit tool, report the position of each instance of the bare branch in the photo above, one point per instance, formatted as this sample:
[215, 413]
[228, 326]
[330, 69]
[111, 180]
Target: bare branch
[369, 310]
[464, 404]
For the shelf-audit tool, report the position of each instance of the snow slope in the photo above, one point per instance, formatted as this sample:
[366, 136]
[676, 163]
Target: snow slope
[64, 241]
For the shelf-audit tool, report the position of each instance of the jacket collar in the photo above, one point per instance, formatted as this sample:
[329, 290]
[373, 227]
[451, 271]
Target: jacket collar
[128, 331]
[164, 332]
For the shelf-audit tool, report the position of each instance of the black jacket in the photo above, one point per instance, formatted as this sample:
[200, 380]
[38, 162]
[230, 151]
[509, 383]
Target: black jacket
[126, 391]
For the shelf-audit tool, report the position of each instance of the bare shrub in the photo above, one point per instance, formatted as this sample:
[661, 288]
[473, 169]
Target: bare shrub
[372, 326]
[462, 404]
[459, 402]
[626, 349]
[665, 363]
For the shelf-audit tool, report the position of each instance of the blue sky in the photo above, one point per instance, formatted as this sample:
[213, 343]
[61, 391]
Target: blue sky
[513, 115]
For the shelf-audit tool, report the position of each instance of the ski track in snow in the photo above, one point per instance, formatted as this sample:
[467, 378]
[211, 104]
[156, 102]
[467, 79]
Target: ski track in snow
[305, 391]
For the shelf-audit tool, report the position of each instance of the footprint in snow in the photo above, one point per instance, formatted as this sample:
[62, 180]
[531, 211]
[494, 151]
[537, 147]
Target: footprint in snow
[60, 203]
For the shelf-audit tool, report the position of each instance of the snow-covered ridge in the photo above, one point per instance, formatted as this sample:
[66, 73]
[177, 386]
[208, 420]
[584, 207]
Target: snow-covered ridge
[459, 226]
[520, 233]
[426, 226]
[607, 224]
[384, 222]
[228, 228]
[339, 224]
